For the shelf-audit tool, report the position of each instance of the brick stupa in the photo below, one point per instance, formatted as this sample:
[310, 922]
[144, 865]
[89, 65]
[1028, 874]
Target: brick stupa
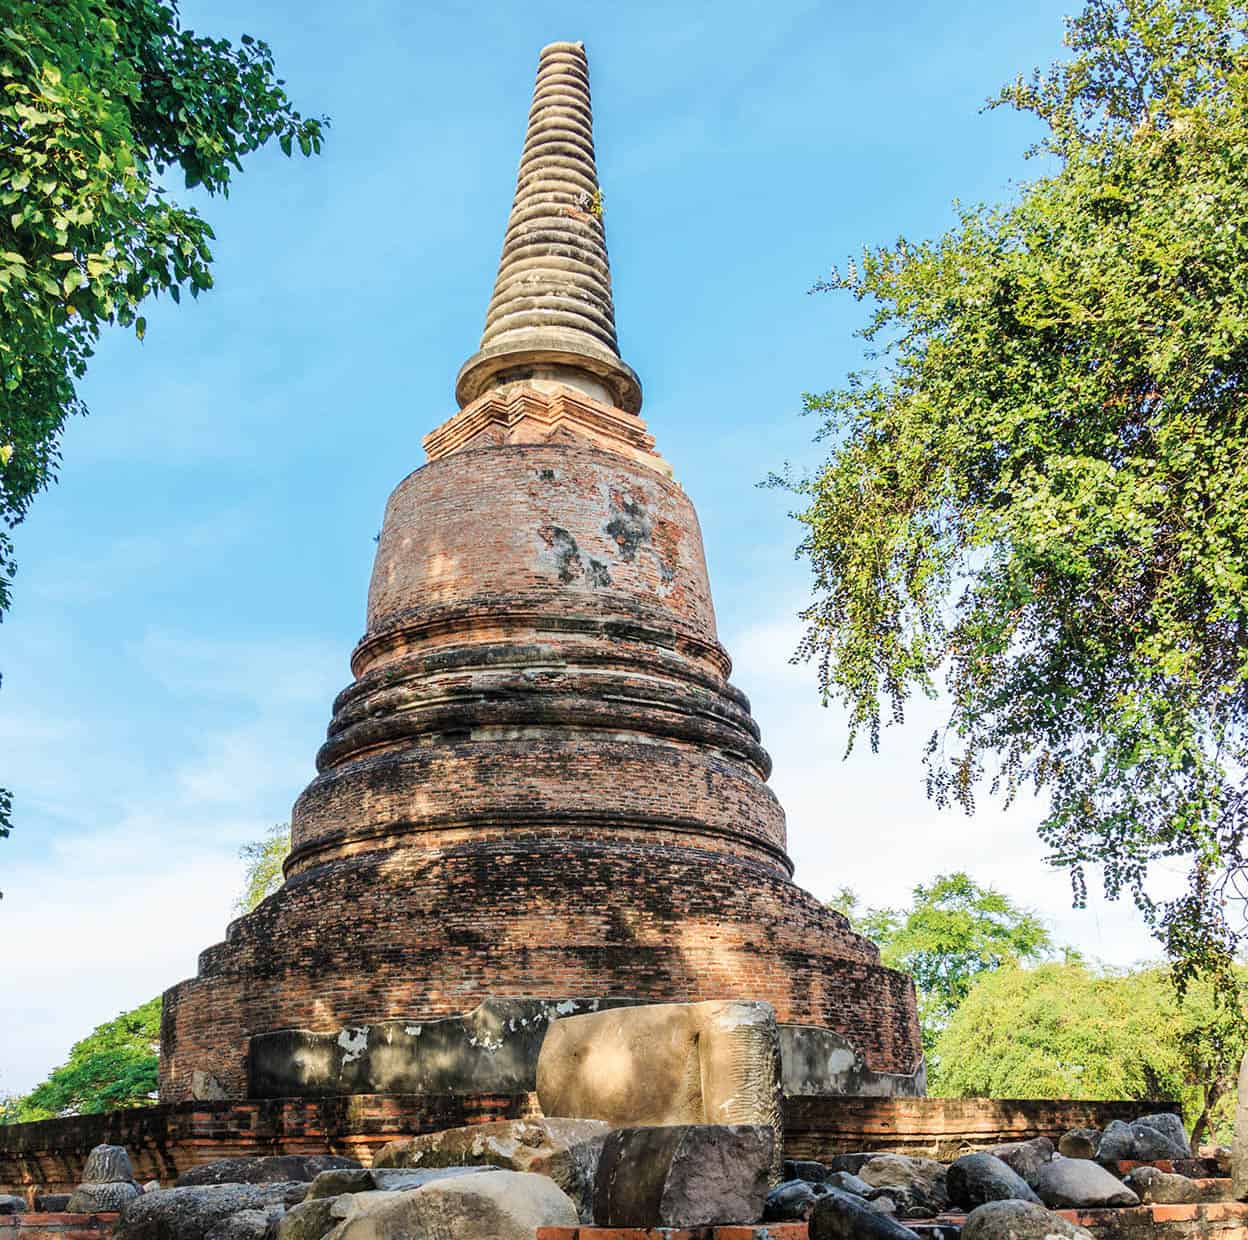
[540, 781]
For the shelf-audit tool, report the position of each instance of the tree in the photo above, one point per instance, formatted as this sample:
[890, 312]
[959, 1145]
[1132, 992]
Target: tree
[954, 931]
[264, 859]
[99, 99]
[1069, 1031]
[1038, 488]
[113, 1067]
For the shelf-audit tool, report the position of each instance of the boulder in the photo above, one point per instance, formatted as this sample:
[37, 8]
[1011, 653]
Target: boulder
[804, 1169]
[848, 1183]
[1160, 1136]
[1024, 1157]
[100, 1198]
[152, 1186]
[52, 1203]
[358, 1180]
[1150, 1138]
[661, 1064]
[566, 1150]
[842, 1216]
[1080, 1143]
[851, 1162]
[108, 1164]
[1156, 1187]
[976, 1178]
[191, 1213]
[792, 1201]
[922, 1179]
[501, 1205]
[683, 1175]
[248, 1225]
[1019, 1220]
[1077, 1183]
[10, 1204]
[272, 1169]
[309, 1220]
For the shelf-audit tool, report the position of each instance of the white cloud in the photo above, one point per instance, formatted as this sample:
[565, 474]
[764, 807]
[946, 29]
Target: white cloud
[124, 870]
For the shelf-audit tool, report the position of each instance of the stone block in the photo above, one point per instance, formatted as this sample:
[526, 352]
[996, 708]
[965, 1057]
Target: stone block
[814, 1060]
[491, 1049]
[1024, 1157]
[1239, 1145]
[1154, 1186]
[193, 1213]
[1019, 1220]
[842, 1216]
[1074, 1183]
[1080, 1143]
[273, 1169]
[108, 1164]
[501, 1205]
[716, 1062]
[100, 1198]
[684, 1175]
[565, 1150]
[358, 1180]
[921, 1180]
[977, 1178]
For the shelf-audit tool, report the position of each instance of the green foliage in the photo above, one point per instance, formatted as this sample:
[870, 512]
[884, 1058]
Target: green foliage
[113, 1067]
[1068, 1031]
[98, 99]
[1039, 492]
[954, 931]
[264, 859]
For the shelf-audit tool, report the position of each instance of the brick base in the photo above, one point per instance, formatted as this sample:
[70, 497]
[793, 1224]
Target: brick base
[56, 1226]
[1225, 1220]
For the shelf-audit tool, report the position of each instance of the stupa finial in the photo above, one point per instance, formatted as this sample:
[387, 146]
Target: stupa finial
[551, 316]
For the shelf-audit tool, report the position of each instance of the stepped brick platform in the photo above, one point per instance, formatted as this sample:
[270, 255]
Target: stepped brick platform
[56, 1226]
[164, 1141]
[541, 782]
[1225, 1220]
[818, 1127]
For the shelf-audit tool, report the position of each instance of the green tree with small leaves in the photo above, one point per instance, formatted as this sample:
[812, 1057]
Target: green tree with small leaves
[1075, 1031]
[1035, 508]
[953, 932]
[264, 858]
[100, 101]
[115, 1066]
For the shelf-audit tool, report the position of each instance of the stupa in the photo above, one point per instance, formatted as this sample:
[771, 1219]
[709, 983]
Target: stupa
[540, 782]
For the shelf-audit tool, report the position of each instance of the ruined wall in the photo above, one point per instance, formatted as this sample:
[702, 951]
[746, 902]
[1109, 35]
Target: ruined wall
[163, 1141]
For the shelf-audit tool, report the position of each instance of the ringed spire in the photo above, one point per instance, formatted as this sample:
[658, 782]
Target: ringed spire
[551, 316]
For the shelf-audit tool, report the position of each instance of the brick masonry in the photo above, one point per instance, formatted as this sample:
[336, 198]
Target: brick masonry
[1218, 1221]
[540, 782]
[163, 1141]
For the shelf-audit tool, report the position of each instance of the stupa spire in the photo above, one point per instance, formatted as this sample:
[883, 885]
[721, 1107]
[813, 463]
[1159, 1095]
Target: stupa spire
[551, 316]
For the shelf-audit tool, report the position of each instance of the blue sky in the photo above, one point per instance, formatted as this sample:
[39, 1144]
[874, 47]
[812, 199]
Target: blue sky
[190, 592]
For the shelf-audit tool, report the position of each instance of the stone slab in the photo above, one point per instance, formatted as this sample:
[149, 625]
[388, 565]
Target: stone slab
[491, 1049]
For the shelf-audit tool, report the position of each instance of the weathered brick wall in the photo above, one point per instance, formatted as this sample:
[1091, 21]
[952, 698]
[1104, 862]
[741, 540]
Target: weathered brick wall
[819, 1127]
[540, 783]
[164, 1141]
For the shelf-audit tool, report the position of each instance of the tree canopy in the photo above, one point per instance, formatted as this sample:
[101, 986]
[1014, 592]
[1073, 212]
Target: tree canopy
[1036, 500]
[1071, 1031]
[113, 1067]
[954, 931]
[264, 858]
[99, 100]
